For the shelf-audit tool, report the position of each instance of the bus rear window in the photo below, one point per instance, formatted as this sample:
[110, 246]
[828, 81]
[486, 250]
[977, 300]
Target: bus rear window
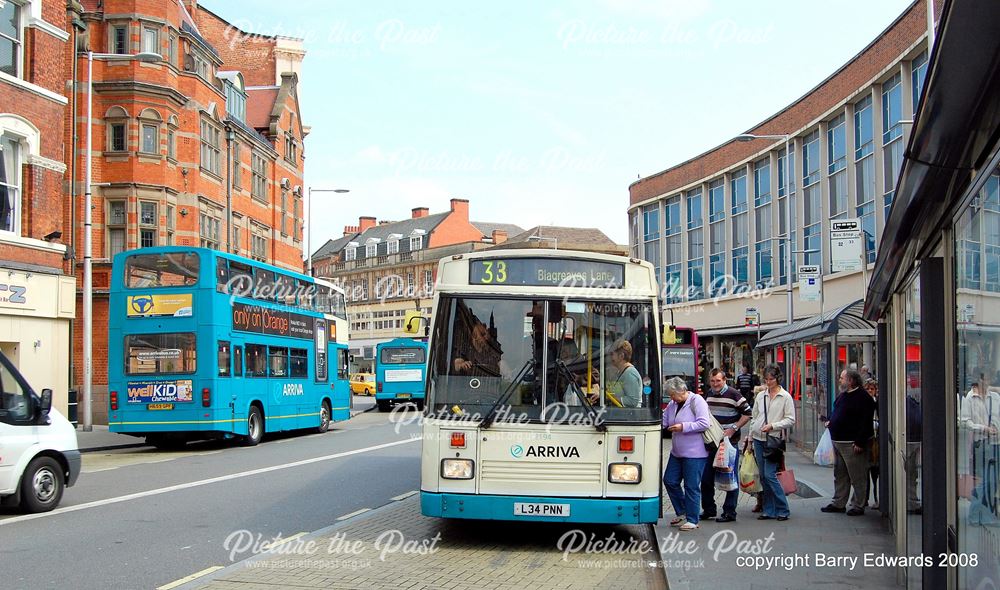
[149, 271]
[160, 354]
[402, 356]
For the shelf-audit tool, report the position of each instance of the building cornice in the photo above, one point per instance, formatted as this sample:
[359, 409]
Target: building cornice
[143, 88]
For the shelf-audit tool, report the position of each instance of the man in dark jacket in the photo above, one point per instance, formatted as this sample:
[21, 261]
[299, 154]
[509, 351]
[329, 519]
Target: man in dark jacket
[745, 382]
[852, 431]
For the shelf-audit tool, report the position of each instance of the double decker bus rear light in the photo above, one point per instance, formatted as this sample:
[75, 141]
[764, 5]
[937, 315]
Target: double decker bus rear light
[114, 400]
[378, 386]
[206, 398]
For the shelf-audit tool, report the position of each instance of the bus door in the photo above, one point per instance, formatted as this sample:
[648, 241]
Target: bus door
[238, 381]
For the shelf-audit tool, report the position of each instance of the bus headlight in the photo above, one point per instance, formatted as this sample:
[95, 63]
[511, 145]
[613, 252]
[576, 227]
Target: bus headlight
[625, 473]
[457, 468]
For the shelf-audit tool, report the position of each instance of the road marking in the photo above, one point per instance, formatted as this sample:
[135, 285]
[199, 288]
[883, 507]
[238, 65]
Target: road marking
[268, 546]
[193, 576]
[201, 482]
[404, 496]
[353, 514]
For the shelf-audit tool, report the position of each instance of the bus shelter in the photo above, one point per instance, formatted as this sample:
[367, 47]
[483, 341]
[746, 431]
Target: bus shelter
[811, 353]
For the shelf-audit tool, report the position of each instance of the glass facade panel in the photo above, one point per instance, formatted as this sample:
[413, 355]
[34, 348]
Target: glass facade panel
[864, 134]
[977, 450]
[918, 72]
[892, 109]
[738, 189]
[913, 436]
[762, 182]
[695, 216]
[716, 201]
[836, 139]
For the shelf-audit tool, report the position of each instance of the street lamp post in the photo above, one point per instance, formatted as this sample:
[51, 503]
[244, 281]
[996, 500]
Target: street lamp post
[88, 282]
[790, 259]
[309, 232]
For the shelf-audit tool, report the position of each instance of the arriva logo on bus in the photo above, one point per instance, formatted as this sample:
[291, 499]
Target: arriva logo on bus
[518, 451]
[292, 389]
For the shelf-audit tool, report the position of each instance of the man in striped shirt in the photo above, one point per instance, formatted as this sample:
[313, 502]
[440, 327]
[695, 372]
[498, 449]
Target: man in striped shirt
[732, 411]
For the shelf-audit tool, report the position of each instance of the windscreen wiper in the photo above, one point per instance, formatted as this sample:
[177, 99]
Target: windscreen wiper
[491, 415]
[568, 375]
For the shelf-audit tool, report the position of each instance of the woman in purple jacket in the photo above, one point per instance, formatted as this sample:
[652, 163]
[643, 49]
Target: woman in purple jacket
[687, 416]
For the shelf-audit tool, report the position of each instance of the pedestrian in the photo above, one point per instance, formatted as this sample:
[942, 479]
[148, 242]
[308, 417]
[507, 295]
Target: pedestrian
[980, 412]
[773, 416]
[866, 374]
[686, 417]
[871, 386]
[732, 411]
[745, 382]
[851, 431]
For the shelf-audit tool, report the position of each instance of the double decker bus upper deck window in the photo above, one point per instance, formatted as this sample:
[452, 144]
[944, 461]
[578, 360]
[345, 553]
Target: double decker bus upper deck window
[149, 271]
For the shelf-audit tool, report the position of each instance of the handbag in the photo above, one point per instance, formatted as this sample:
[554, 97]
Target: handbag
[774, 447]
[786, 477]
[714, 434]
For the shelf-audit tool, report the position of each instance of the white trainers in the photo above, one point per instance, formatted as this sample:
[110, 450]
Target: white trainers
[688, 526]
[681, 519]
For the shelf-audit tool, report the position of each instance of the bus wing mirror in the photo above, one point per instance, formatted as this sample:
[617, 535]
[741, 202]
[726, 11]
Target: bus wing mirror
[669, 334]
[411, 323]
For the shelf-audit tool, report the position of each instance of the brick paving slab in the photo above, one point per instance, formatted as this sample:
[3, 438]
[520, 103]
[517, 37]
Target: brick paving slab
[467, 555]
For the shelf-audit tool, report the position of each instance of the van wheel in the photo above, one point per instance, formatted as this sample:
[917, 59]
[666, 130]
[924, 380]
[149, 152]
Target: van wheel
[255, 428]
[324, 417]
[383, 405]
[42, 485]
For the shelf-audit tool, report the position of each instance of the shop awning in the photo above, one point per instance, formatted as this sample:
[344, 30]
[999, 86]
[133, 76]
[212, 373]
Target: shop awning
[849, 319]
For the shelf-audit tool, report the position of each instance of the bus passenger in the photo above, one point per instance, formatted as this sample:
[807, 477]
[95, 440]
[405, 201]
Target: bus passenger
[624, 382]
[480, 356]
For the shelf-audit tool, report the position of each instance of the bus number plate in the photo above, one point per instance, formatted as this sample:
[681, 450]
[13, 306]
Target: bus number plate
[404, 395]
[535, 509]
[160, 407]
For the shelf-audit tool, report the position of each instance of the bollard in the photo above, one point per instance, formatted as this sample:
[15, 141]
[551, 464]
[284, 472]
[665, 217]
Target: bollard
[71, 407]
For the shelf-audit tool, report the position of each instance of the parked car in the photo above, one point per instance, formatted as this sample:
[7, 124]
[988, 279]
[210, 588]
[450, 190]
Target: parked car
[39, 456]
[363, 384]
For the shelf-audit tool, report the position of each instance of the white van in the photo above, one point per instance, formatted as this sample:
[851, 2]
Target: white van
[38, 452]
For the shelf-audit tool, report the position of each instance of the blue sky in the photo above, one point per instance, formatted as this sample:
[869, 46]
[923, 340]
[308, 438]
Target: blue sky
[539, 113]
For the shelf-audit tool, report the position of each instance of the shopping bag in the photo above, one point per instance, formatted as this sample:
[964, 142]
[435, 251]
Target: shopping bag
[824, 454]
[749, 474]
[726, 481]
[722, 455]
[786, 477]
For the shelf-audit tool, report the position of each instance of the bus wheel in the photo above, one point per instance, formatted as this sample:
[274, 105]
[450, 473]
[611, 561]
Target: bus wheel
[420, 405]
[255, 427]
[383, 405]
[324, 417]
[42, 485]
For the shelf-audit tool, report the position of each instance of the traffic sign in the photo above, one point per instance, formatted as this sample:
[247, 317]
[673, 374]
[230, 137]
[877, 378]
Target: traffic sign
[845, 244]
[810, 283]
[751, 318]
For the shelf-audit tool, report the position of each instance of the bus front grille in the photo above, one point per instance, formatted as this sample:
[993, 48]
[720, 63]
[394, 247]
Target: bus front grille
[528, 472]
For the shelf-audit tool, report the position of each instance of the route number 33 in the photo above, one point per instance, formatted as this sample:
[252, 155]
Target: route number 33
[494, 272]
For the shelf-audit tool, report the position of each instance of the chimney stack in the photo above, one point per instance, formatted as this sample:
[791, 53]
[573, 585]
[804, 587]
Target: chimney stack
[499, 236]
[420, 212]
[460, 207]
[366, 223]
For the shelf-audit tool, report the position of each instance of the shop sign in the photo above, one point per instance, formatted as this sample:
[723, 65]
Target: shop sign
[845, 244]
[810, 283]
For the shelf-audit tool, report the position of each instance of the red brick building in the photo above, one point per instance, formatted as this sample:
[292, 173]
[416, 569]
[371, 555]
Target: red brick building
[36, 289]
[201, 148]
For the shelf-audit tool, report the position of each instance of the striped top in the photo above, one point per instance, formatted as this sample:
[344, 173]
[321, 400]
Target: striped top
[727, 405]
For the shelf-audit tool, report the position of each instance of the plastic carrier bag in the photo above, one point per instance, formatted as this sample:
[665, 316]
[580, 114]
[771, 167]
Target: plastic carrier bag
[749, 474]
[824, 455]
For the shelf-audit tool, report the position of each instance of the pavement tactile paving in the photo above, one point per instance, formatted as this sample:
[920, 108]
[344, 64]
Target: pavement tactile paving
[367, 553]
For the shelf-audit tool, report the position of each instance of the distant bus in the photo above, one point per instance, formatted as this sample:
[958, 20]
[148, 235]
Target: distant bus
[680, 359]
[399, 372]
[532, 412]
[204, 344]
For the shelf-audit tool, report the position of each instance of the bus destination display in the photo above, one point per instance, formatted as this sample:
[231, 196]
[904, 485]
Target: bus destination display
[547, 272]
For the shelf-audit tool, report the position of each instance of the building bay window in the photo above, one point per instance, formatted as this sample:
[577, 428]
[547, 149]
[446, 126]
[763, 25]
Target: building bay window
[211, 152]
[11, 38]
[10, 183]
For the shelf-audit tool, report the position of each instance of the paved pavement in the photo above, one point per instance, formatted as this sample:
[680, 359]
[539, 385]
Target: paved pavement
[394, 547]
[100, 439]
[716, 555]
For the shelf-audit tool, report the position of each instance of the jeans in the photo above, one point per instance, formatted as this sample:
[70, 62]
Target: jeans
[708, 491]
[775, 502]
[687, 500]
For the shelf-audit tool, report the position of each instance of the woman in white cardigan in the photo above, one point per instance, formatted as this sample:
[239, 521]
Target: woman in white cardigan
[773, 415]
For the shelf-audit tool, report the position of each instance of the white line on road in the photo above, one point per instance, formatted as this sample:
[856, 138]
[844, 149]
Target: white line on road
[187, 579]
[202, 482]
[404, 496]
[353, 514]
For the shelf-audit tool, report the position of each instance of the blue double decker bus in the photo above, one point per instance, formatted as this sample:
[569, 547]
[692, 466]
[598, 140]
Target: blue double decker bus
[204, 344]
[399, 372]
